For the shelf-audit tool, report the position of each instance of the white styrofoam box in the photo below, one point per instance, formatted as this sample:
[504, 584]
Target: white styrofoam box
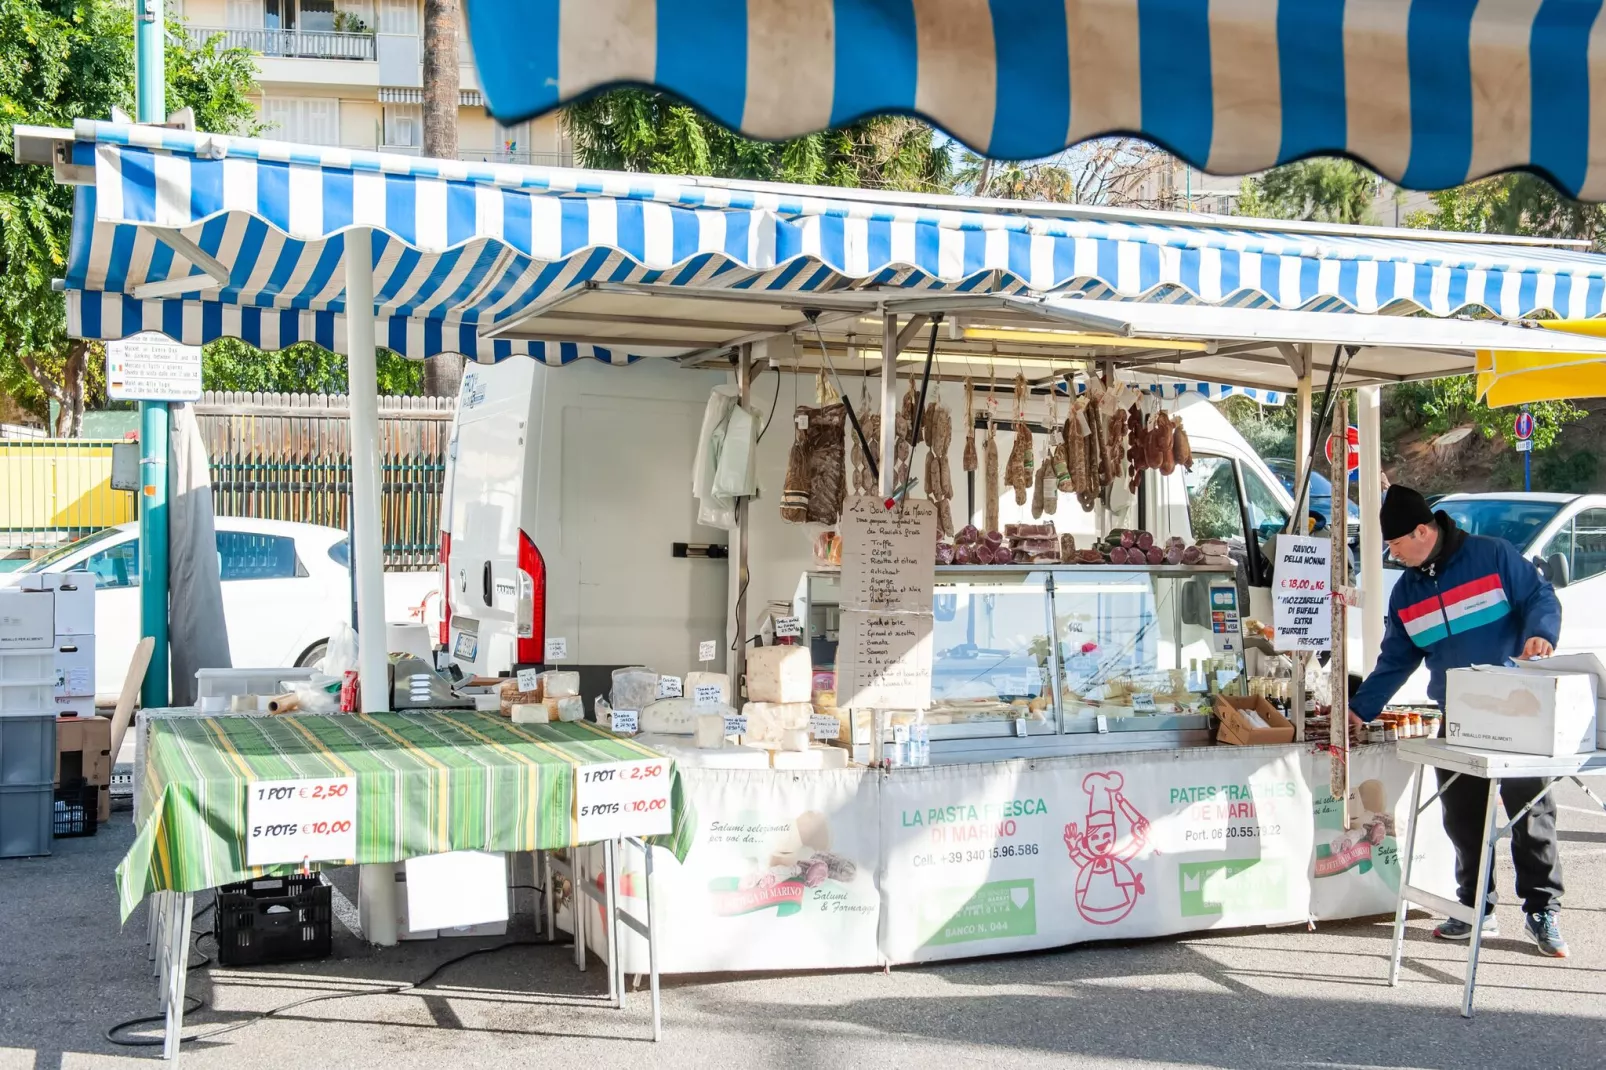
[457, 889]
[75, 706]
[27, 618]
[75, 599]
[27, 666]
[1585, 661]
[1520, 710]
[225, 683]
[75, 666]
[371, 898]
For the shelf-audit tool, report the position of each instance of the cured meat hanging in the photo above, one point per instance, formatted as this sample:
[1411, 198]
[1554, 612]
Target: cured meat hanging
[1180, 447]
[990, 473]
[815, 486]
[970, 462]
[937, 430]
[1019, 473]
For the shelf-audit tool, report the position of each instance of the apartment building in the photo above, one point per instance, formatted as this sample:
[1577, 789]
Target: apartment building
[350, 73]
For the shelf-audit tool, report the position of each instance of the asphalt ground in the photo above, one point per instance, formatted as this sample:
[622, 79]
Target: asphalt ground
[1248, 998]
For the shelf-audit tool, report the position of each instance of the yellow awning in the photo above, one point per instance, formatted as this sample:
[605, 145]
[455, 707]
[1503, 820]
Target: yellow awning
[1506, 377]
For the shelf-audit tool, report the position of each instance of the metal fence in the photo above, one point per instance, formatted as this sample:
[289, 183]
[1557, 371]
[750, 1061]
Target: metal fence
[308, 44]
[288, 457]
[53, 491]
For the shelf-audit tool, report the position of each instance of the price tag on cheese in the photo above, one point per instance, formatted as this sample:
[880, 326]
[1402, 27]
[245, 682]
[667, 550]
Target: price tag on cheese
[824, 726]
[613, 799]
[295, 821]
[624, 722]
[669, 687]
[788, 626]
[1143, 701]
[557, 649]
[708, 650]
[736, 725]
[529, 679]
[708, 695]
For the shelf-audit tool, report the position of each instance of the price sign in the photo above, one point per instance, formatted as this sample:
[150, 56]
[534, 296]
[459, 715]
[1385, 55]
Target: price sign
[824, 726]
[1143, 701]
[624, 722]
[736, 725]
[707, 651]
[291, 821]
[669, 687]
[708, 695]
[1102, 723]
[529, 679]
[613, 799]
[557, 649]
[788, 626]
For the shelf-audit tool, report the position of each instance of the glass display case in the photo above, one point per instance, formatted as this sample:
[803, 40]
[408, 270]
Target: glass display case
[1047, 659]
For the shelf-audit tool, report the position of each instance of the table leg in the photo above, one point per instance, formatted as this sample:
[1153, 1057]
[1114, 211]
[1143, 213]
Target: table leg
[548, 896]
[1485, 864]
[1400, 908]
[652, 946]
[178, 972]
[579, 904]
[1580, 782]
[610, 932]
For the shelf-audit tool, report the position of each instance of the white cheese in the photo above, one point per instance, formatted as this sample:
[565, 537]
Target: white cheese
[634, 688]
[530, 713]
[694, 680]
[677, 716]
[710, 730]
[780, 674]
[767, 721]
[568, 708]
[560, 683]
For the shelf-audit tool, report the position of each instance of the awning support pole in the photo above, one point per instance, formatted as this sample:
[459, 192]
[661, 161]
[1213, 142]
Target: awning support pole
[738, 660]
[1370, 426]
[889, 403]
[368, 558]
[1302, 433]
[1338, 732]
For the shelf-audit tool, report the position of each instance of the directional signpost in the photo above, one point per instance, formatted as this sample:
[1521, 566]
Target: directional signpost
[1524, 431]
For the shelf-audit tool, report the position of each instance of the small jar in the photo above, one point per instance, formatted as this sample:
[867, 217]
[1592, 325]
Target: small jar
[1391, 733]
[1375, 732]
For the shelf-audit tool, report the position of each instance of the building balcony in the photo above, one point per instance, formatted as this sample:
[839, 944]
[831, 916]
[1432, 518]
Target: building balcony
[289, 44]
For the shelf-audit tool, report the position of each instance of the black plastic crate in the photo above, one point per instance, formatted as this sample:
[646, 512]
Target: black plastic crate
[77, 809]
[274, 919]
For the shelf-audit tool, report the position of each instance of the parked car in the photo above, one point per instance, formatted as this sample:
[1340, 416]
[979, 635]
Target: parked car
[286, 586]
[1321, 489]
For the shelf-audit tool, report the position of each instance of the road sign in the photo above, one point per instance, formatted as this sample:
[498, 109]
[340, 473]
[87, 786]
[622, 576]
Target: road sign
[1525, 426]
[1353, 434]
[152, 367]
[1525, 445]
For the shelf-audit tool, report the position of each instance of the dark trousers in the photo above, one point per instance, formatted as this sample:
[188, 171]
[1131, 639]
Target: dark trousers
[1533, 839]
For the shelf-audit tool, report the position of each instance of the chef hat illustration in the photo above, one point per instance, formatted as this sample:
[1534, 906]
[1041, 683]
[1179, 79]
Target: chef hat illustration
[1101, 788]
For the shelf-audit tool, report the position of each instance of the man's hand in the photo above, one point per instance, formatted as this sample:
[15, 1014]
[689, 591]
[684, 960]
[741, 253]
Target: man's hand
[1355, 719]
[1537, 647]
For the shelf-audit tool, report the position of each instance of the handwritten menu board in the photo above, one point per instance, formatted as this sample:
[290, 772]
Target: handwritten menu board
[888, 569]
[1302, 609]
[888, 559]
[884, 660]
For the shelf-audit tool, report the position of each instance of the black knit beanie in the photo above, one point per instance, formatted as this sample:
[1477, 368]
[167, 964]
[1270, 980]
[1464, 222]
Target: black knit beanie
[1403, 509]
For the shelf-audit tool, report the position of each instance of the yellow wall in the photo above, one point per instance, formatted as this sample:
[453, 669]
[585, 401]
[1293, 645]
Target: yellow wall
[51, 483]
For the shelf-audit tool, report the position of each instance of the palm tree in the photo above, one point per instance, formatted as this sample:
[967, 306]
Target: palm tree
[442, 90]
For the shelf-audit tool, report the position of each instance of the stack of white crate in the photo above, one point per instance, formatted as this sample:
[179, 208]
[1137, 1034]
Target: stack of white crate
[47, 669]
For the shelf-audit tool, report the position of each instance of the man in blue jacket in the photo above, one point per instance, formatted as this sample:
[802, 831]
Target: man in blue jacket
[1471, 600]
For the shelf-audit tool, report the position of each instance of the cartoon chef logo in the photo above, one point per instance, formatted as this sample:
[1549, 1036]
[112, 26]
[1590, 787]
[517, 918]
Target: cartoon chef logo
[1107, 887]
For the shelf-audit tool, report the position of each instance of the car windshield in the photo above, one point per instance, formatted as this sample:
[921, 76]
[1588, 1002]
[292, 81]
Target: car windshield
[61, 553]
[1516, 520]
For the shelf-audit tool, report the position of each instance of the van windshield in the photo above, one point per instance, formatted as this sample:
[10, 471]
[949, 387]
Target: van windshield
[1516, 520]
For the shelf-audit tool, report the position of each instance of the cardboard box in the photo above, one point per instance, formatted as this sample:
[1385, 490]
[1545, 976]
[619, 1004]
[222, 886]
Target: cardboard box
[1584, 661]
[75, 666]
[1520, 710]
[27, 618]
[104, 813]
[75, 599]
[1238, 730]
[83, 749]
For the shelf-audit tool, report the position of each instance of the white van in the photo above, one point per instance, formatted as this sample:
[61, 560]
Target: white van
[568, 497]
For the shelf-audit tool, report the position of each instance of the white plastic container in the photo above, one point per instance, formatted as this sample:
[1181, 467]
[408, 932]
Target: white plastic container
[225, 683]
[27, 698]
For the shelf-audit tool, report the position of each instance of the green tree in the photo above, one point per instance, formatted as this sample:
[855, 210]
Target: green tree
[62, 60]
[1514, 204]
[1324, 189]
[231, 364]
[637, 130]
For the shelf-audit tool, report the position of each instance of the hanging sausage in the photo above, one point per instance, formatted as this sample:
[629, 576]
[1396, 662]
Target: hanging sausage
[990, 473]
[1019, 473]
[937, 431]
[970, 462]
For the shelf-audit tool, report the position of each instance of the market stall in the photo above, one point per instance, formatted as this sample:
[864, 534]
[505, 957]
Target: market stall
[1071, 727]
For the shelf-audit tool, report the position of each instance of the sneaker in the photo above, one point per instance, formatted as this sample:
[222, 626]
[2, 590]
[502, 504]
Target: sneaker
[1543, 930]
[1456, 929]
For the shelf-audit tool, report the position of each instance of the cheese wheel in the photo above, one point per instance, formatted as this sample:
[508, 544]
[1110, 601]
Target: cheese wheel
[780, 674]
[677, 716]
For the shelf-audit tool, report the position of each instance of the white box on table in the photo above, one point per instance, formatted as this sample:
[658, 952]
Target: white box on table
[75, 666]
[1520, 709]
[1585, 661]
[75, 599]
[27, 618]
[457, 890]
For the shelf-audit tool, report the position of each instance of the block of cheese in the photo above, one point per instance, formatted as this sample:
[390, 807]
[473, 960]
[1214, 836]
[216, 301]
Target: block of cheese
[694, 680]
[766, 721]
[531, 713]
[560, 683]
[779, 674]
[815, 757]
[567, 708]
[710, 732]
[677, 716]
[795, 739]
[634, 688]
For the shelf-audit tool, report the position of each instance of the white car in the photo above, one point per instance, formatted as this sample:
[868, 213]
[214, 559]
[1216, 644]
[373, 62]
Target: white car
[286, 587]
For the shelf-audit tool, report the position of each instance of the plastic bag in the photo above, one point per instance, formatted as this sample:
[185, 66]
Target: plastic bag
[340, 655]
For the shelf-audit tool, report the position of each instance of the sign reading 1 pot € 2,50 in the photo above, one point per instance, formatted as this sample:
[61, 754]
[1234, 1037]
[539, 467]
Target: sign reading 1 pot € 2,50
[152, 367]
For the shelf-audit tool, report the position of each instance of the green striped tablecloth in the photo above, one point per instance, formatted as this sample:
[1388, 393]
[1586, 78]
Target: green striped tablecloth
[426, 783]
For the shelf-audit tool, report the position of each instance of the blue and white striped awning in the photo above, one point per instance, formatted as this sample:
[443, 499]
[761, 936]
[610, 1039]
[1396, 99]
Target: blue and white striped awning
[203, 236]
[1431, 93]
